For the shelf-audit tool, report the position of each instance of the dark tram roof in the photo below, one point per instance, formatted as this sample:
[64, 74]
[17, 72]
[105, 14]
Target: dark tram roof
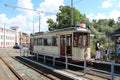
[118, 32]
[70, 28]
[66, 29]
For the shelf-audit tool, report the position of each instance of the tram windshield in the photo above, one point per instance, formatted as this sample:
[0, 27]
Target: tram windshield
[81, 39]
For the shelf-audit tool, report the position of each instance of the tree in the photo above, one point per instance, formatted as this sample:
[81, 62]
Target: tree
[52, 24]
[64, 18]
[117, 27]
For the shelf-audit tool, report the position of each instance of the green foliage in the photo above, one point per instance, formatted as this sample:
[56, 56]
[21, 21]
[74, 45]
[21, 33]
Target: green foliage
[64, 18]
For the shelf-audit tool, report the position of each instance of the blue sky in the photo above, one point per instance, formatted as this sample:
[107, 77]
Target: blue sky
[25, 19]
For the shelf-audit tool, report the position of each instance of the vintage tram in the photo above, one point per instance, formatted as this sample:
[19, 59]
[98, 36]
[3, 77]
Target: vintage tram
[63, 42]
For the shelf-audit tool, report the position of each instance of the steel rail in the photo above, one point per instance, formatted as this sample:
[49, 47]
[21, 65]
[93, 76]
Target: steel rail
[4, 72]
[14, 72]
[48, 76]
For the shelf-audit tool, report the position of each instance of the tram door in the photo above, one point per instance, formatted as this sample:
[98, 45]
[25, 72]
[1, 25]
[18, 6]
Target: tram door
[31, 44]
[66, 45]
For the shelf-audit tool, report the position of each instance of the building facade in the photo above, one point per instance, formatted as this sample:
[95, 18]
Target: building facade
[24, 38]
[7, 38]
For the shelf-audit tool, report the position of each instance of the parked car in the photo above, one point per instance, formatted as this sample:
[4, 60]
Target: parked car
[16, 46]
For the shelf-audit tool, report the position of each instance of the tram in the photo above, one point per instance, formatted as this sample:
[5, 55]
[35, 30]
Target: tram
[63, 42]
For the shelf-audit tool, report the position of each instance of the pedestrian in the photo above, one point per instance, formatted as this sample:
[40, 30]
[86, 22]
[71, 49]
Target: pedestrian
[97, 57]
[108, 52]
[20, 46]
[101, 51]
[118, 51]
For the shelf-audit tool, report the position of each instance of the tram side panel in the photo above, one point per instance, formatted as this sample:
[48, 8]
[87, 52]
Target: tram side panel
[78, 53]
[48, 50]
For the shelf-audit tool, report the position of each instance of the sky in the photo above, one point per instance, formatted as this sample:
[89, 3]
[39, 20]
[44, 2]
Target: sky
[15, 15]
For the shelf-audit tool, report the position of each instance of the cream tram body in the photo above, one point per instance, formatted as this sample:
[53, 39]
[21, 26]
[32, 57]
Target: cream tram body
[61, 43]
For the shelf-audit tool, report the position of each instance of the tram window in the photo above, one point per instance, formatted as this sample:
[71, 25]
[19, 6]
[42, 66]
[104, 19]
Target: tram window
[68, 40]
[45, 42]
[35, 41]
[81, 39]
[54, 41]
[49, 41]
[75, 40]
[38, 41]
[42, 40]
[84, 39]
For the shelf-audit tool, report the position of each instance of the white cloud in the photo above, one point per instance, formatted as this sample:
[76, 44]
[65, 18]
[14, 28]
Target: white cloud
[50, 8]
[90, 16]
[100, 16]
[107, 3]
[114, 14]
[51, 5]
[25, 17]
[3, 19]
[28, 5]
[19, 20]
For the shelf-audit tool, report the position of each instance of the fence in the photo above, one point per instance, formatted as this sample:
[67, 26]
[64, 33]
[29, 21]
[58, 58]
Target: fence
[66, 62]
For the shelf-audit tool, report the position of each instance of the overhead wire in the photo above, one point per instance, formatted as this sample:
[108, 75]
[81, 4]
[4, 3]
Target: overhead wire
[15, 8]
[77, 1]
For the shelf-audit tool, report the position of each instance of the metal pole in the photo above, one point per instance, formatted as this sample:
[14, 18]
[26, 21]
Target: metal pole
[112, 70]
[27, 52]
[44, 58]
[33, 27]
[66, 62]
[4, 35]
[39, 21]
[37, 56]
[71, 12]
[84, 67]
[54, 60]
[33, 38]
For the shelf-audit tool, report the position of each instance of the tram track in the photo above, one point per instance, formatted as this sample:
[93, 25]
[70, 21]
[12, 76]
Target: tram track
[4, 72]
[77, 73]
[12, 70]
[90, 74]
[19, 73]
[47, 72]
[92, 70]
[49, 76]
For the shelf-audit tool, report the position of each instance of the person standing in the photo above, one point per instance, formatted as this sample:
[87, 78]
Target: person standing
[108, 53]
[97, 57]
[101, 51]
[20, 46]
